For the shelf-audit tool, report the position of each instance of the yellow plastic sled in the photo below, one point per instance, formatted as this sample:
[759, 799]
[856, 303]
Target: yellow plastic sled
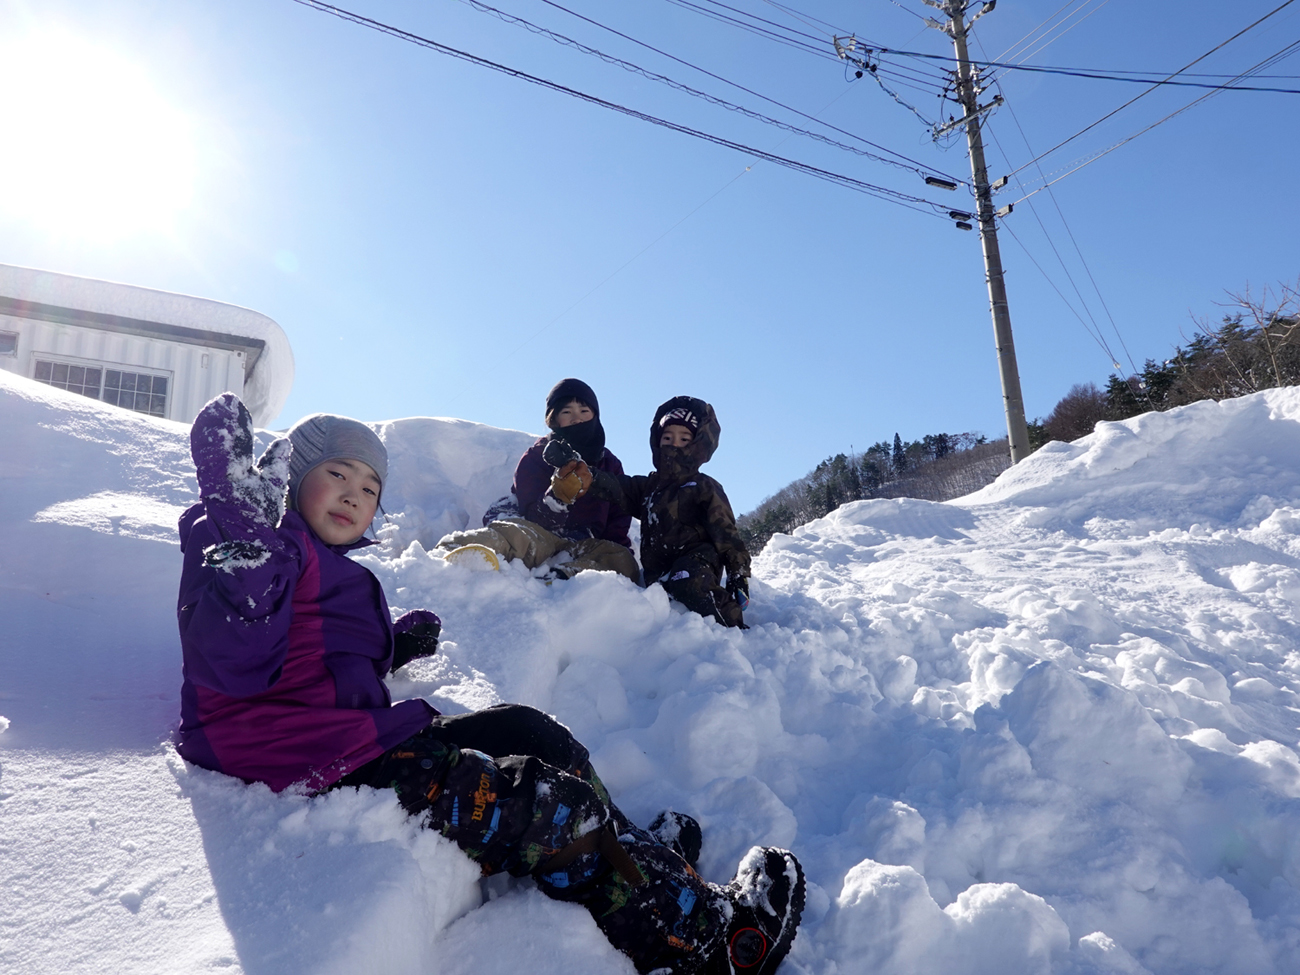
[476, 558]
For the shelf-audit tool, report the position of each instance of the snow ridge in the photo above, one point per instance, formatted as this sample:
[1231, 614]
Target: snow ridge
[1050, 727]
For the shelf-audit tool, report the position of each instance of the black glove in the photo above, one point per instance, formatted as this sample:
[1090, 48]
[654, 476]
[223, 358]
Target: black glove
[557, 453]
[738, 586]
[415, 635]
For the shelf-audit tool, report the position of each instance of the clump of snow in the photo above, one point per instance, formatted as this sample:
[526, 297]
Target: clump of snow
[1051, 727]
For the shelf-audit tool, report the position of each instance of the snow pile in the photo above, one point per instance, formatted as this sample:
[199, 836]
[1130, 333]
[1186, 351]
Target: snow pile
[1049, 728]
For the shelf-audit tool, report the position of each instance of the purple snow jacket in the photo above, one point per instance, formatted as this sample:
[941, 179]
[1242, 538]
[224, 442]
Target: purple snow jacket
[283, 663]
[588, 517]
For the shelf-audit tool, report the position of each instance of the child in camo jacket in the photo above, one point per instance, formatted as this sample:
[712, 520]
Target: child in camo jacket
[688, 530]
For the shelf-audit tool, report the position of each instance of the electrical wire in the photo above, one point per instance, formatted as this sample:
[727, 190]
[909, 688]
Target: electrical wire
[1063, 30]
[1011, 51]
[619, 270]
[1101, 75]
[717, 77]
[1074, 241]
[676, 85]
[1095, 329]
[880, 192]
[1148, 91]
[819, 49]
[790, 11]
[1095, 337]
[772, 23]
[1049, 34]
[1287, 51]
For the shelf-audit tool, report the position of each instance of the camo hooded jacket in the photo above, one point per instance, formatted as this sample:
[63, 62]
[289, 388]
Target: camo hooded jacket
[680, 509]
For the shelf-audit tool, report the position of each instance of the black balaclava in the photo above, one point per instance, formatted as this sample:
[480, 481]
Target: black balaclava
[679, 463]
[587, 438]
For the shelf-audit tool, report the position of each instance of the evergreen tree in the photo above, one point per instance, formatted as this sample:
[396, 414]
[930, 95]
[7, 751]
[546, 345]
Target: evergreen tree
[899, 457]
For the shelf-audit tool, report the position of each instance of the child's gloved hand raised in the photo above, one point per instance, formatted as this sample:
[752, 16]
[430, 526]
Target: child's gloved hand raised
[245, 501]
[559, 453]
[571, 482]
[572, 477]
[415, 635]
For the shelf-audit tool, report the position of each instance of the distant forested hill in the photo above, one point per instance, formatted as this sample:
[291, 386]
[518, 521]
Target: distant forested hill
[937, 467]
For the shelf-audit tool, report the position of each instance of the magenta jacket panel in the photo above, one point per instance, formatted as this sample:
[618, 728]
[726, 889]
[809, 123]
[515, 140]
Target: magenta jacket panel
[283, 664]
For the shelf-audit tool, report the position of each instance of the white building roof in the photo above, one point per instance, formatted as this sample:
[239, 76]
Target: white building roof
[64, 298]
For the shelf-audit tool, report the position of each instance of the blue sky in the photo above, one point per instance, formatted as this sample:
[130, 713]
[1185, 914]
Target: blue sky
[438, 239]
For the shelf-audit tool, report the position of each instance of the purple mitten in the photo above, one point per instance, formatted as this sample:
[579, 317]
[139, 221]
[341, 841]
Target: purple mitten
[415, 635]
[245, 501]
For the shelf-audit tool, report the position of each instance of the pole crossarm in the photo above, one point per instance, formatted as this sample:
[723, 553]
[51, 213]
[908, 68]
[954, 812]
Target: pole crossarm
[941, 130]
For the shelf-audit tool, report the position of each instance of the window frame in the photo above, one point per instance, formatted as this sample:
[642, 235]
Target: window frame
[72, 362]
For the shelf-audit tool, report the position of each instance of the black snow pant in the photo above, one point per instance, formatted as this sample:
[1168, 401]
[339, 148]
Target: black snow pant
[695, 581]
[515, 790]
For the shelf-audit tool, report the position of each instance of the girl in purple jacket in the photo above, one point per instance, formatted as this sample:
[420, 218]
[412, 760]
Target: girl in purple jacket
[286, 642]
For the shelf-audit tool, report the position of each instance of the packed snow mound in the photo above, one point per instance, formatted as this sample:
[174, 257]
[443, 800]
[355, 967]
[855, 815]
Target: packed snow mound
[1051, 727]
[443, 474]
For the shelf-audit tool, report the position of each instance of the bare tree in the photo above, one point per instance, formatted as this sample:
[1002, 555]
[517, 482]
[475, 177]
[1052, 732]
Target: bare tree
[1077, 413]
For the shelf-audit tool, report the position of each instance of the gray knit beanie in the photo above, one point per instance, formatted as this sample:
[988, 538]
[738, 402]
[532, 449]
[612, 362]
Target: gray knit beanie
[324, 436]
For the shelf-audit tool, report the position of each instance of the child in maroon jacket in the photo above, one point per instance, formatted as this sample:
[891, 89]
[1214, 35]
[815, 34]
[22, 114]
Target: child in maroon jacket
[286, 641]
[534, 523]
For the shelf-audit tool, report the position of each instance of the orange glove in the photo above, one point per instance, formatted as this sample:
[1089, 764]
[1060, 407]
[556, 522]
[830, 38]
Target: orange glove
[571, 482]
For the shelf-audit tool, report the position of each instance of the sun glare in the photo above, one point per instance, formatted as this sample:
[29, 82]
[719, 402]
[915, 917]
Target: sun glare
[92, 149]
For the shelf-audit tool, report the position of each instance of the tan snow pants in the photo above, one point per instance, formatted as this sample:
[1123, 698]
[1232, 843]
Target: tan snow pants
[515, 538]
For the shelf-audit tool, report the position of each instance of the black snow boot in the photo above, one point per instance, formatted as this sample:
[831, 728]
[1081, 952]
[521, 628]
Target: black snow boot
[767, 897]
[680, 833]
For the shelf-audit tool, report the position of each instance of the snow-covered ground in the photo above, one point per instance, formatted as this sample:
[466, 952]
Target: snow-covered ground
[1051, 727]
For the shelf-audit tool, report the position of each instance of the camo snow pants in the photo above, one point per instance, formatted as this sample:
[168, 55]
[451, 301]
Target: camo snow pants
[694, 581]
[515, 790]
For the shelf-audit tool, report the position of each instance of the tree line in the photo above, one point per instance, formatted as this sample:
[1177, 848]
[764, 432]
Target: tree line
[938, 467]
[1254, 347]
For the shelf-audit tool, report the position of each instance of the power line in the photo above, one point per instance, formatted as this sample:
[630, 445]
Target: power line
[1046, 277]
[849, 182]
[1100, 75]
[1061, 30]
[1272, 59]
[622, 267]
[1010, 52]
[818, 50]
[1077, 249]
[1135, 98]
[678, 86]
[752, 16]
[790, 11]
[750, 91]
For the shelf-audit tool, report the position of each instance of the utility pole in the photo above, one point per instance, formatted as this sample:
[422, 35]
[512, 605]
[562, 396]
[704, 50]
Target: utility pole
[968, 91]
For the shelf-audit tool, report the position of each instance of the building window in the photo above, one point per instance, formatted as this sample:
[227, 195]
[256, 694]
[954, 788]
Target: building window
[138, 391]
[8, 343]
[75, 379]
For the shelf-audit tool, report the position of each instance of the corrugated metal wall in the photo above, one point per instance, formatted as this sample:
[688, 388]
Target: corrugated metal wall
[197, 374]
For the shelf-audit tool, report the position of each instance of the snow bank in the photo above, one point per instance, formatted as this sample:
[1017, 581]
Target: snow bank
[1051, 727]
